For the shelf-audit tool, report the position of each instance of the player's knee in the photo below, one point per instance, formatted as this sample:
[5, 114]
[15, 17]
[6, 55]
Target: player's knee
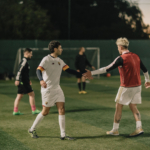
[31, 94]
[45, 113]
[61, 110]
[19, 97]
[79, 80]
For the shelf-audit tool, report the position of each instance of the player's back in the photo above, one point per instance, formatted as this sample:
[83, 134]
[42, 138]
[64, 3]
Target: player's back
[24, 68]
[130, 71]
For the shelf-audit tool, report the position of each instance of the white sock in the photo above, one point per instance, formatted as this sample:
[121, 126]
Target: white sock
[138, 124]
[115, 126]
[38, 119]
[62, 125]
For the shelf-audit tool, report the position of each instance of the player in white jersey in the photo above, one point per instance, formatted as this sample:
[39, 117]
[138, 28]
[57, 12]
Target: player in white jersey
[49, 72]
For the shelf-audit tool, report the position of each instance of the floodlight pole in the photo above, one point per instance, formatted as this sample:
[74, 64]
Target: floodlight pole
[69, 14]
[98, 60]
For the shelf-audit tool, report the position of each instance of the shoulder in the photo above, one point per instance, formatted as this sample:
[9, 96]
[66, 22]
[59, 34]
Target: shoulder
[46, 58]
[135, 54]
[118, 58]
[24, 61]
[59, 59]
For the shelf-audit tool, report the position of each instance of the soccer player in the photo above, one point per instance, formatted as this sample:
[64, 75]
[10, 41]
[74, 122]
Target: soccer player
[129, 93]
[80, 63]
[24, 84]
[49, 72]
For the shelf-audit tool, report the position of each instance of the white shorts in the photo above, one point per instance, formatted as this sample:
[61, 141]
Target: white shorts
[51, 96]
[125, 96]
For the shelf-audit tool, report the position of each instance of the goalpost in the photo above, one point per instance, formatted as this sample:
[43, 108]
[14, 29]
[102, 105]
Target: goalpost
[69, 54]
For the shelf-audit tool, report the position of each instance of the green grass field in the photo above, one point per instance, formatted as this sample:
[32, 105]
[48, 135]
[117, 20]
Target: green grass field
[88, 117]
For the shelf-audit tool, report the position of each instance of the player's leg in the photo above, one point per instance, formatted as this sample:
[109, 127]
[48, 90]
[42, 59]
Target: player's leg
[39, 118]
[137, 117]
[117, 118]
[79, 84]
[16, 104]
[84, 85]
[61, 120]
[32, 103]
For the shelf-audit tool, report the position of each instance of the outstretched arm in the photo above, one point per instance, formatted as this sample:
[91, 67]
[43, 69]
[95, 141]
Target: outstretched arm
[74, 72]
[116, 63]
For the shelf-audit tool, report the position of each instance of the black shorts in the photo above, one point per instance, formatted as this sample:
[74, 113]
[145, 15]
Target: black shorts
[82, 71]
[24, 88]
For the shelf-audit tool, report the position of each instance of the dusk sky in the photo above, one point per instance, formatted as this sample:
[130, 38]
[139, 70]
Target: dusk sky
[145, 7]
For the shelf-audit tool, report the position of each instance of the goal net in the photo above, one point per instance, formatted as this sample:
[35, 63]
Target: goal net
[68, 56]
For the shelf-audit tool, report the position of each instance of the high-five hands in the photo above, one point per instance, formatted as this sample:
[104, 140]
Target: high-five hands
[147, 85]
[88, 75]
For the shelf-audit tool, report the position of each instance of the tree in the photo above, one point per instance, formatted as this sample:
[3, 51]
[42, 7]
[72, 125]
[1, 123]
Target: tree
[25, 21]
[97, 19]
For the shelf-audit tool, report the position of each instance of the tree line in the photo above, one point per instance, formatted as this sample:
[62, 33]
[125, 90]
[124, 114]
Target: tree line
[89, 19]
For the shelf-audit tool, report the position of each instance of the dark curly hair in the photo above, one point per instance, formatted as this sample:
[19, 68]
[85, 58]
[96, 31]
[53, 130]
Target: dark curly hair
[27, 50]
[52, 45]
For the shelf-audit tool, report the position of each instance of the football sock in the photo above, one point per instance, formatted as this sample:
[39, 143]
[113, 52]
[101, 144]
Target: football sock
[38, 119]
[15, 109]
[84, 84]
[33, 107]
[79, 86]
[61, 119]
[138, 124]
[115, 126]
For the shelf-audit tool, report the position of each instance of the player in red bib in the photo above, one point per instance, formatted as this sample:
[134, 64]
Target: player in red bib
[129, 93]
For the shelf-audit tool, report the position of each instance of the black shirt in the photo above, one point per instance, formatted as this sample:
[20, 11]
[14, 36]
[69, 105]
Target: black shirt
[23, 71]
[81, 62]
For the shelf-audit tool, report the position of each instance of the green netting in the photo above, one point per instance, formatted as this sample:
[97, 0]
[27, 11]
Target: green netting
[68, 56]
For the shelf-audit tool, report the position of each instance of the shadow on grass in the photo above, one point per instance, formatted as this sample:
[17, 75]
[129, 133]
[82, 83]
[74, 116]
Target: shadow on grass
[124, 136]
[90, 137]
[52, 137]
[75, 110]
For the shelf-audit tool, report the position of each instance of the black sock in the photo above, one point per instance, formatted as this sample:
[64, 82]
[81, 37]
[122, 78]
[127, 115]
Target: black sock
[84, 84]
[79, 86]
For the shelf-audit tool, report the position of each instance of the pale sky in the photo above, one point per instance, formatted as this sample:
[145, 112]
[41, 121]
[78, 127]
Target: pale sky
[145, 8]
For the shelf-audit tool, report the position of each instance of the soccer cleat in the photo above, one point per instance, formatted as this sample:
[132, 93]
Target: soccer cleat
[17, 113]
[112, 132]
[67, 138]
[36, 112]
[80, 92]
[84, 92]
[33, 134]
[137, 132]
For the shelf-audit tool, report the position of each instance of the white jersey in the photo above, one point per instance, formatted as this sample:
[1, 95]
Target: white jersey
[51, 71]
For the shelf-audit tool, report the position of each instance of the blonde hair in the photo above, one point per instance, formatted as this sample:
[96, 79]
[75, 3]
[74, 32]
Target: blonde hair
[123, 42]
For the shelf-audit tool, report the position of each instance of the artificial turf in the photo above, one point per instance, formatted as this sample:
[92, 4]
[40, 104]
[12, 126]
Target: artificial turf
[88, 117]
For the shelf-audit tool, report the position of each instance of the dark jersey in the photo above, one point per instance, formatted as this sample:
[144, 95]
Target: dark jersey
[23, 71]
[81, 62]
